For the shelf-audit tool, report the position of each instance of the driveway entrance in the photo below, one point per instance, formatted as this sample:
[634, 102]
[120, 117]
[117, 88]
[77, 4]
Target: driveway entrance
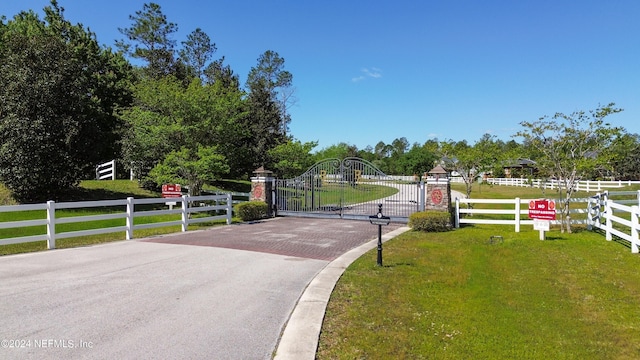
[350, 188]
[227, 297]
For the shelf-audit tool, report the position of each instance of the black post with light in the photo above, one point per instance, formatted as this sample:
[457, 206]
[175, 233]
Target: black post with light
[380, 220]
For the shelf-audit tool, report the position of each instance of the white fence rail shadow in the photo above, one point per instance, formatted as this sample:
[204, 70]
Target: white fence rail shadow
[127, 211]
[599, 211]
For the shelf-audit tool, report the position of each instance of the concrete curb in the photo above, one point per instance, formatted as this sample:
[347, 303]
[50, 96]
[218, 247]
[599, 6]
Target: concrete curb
[299, 339]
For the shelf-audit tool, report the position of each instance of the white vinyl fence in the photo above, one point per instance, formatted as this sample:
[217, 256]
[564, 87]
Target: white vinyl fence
[127, 207]
[599, 211]
[583, 185]
[615, 218]
[510, 216]
[106, 170]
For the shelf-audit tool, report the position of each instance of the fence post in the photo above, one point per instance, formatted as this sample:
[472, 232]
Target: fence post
[51, 224]
[589, 214]
[457, 213]
[590, 211]
[229, 208]
[421, 190]
[635, 212]
[608, 212]
[517, 214]
[185, 213]
[129, 220]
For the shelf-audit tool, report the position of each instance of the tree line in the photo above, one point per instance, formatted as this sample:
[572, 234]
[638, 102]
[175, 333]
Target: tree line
[67, 104]
[182, 115]
[566, 147]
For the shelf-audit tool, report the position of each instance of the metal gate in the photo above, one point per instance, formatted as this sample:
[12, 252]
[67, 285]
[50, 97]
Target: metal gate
[350, 188]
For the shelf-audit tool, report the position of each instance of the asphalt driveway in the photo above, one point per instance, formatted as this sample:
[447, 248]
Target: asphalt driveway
[223, 293]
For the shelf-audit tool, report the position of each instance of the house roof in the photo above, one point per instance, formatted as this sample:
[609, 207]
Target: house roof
[521, 163]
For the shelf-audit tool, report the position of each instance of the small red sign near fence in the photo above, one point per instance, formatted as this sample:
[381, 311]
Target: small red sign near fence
[542, 209]
[171, 190]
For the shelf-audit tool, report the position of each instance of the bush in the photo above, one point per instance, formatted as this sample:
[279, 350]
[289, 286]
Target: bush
[434, 221]
[251, 210]
[5, 196]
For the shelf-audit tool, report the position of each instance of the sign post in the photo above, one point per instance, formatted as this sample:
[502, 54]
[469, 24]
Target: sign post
[380, 220]
[542, 211]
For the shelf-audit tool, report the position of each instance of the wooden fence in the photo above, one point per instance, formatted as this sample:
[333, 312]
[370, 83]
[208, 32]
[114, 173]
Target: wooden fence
[127, 211]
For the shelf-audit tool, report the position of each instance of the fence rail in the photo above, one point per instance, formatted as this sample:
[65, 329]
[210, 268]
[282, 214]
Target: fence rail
[127, 210]
[583, 185]
[106, 170]
[602, 215]
[599, 211]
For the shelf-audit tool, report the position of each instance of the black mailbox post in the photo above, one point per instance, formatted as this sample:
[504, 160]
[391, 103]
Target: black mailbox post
[380, 220]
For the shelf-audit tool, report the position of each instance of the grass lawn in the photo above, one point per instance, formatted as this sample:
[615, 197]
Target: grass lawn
[338, 194]
[454, 295]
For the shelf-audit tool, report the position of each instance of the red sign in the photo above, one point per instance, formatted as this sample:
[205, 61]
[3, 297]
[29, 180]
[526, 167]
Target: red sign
[171, 190]
[542, 209]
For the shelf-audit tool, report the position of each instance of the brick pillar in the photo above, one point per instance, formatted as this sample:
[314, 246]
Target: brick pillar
[262, 188]
[438, 194]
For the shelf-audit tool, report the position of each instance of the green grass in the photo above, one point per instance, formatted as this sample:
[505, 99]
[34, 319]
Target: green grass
[486, 191]
[455, 296]
[337, 194]
[91, 191]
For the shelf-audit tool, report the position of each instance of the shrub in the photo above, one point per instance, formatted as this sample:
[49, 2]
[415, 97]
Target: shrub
[5, 196]
[434, 221]
[251, 210]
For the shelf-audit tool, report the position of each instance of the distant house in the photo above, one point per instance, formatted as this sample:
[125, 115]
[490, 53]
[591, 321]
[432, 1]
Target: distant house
[520, 168]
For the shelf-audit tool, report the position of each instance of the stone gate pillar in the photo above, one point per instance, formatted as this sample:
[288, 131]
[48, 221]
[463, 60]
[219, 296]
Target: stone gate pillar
[438, 190]
[262, 186]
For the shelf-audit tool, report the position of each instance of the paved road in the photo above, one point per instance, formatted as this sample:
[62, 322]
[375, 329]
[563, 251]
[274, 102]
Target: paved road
[223, 293]
[401, 204]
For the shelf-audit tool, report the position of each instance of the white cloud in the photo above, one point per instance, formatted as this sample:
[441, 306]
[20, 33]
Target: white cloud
[372, 72]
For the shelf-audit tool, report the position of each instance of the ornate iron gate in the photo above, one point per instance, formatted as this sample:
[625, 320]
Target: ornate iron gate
[350, 188]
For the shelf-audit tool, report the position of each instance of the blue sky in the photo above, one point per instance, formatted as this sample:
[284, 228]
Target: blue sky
[370, 71]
